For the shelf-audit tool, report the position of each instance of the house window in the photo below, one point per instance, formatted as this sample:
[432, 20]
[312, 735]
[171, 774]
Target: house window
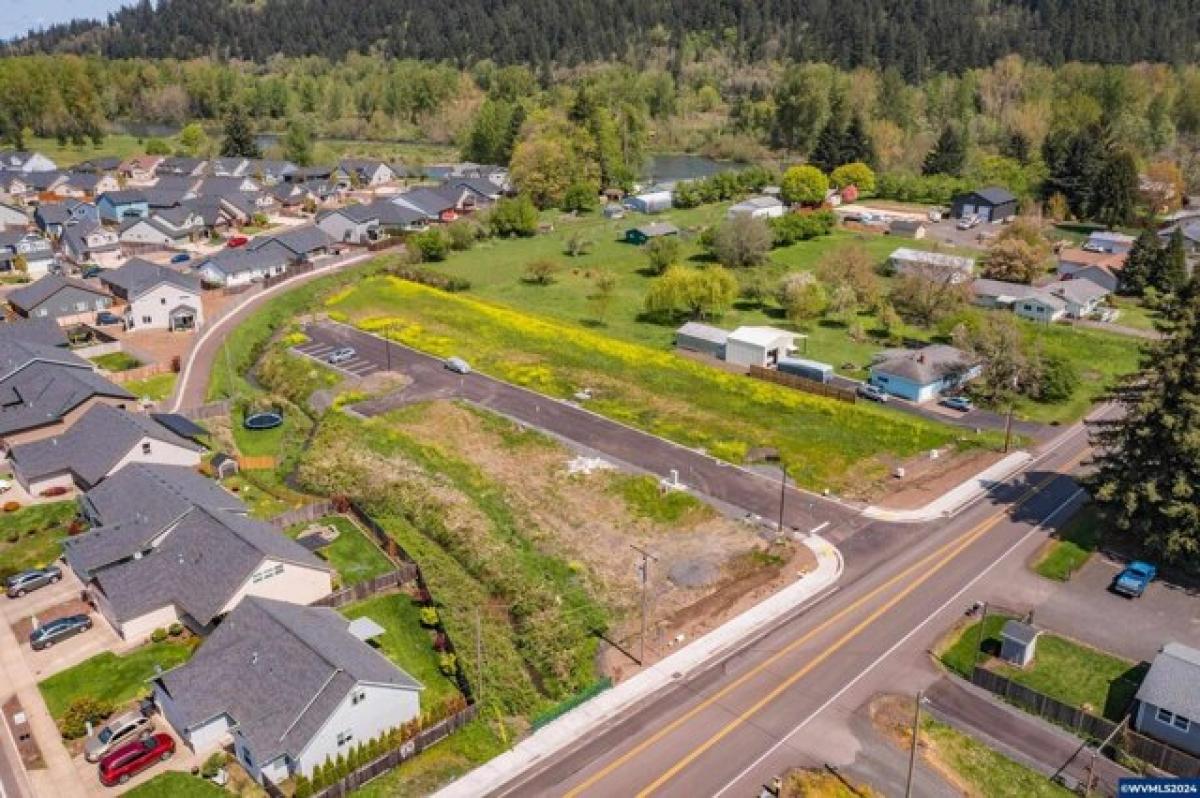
[267, 573]
[147, 320]
[1168, 718]
[358, 696]
[162, 301]
[146, 447]
[344, 738]
[81, 306]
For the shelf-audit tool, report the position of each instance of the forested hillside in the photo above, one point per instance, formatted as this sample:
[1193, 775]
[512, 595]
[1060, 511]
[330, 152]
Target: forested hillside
[918, 38]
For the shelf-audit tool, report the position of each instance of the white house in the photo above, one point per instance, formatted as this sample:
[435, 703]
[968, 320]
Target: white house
[759, 346]
[236, 267]
[157, 297]
[85, 242]
[757, 208]
[292, 686]
[1110, 242]
[23, 161]
[152, 233]
[13, 216]
[353, 224]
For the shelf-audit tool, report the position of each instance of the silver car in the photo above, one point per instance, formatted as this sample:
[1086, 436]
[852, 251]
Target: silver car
[340, 355]
[24, 582]
[120, 729]
[458, 365]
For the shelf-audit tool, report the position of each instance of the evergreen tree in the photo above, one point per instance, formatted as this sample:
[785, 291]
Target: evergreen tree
[239, 141]
[1113, 193]
[1148, 468]
[1174, 264]
[827, 153]
[297, 143]
[949, 155]
[1143, 266]
[1017, 147]
[856, 144]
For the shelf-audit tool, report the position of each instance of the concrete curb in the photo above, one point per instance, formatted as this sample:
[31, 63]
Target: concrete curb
[952, 500]
[589, 718]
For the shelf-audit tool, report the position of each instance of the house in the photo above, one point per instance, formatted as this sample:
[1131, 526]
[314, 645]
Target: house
[44, 388]
[906, 228]
[757, 208]
[140, 168]
[84, 185]
[651, 201]
[1082, 297]
[98, 165]
[42, 332]
[1040, 306]
[1110, 241]
[25, 162]
[34, 248]
[117, 206]
[231, 268]
[486, 191]
[1167, 704]
[936, 266]
[103, 440]
[920, 375]
[992, 204]
[298, 244]
[703, 338]
[45, 183]
[353, 224]
[14, 185]
[759, 346]
[157, 297]
[176, 165]
[1102, 268]
[52, 217]
[998, 294]
[228, 167]
[293, 686]
[445, 203]
[196, 570]
[58, 297]
[151, 233]
[89, 242]
[13, 216]
[363, 172]
[1190, 230]
[270, 172]
[220, 185]
[643, 233]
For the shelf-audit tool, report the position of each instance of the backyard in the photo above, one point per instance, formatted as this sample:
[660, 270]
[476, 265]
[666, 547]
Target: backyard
[174, 784]
[117, 361]
[32, 536]
[355, 557]
[155, 388]
[113, 677]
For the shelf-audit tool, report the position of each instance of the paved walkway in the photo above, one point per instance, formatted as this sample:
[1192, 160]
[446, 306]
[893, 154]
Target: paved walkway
[952, 500]
[589, 718]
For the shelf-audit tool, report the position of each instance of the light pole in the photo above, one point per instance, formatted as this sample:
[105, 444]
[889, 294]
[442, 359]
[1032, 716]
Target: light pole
[774, 456]
[644, 568]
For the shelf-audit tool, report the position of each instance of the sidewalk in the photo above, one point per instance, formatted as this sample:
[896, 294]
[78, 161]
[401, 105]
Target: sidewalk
[950, 501]
[587, 719]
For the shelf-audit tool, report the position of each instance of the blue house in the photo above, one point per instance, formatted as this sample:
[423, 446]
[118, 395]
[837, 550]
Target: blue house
[920, 375]
[120, 206]
[1168, 700]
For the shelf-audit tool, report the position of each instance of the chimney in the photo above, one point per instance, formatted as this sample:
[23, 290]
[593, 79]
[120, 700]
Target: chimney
[253, 657]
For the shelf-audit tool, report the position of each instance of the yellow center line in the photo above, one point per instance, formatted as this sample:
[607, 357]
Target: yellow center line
[943, 555]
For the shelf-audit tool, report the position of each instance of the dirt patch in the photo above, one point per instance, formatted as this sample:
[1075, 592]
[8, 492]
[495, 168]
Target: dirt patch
[925, 479]
[892, 716]
[23, 627]
[31, 755]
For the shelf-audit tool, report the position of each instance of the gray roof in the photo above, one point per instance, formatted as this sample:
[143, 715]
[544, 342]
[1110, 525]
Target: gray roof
[92, 446]
[74, 235]
[430, 201]
[40, 390]
[198, 566]
[137, 276]
[996, 195]
[1078, 291]
[478, 185]
[922, 366]
[224, 185]
[30, 296]
[703, 332]
[1173, 682]
[301, 240]
[278, 671]
[124, 196]
[757, 202]
[1020, 632]
[136, 504]
[657, 229]
[237, 261]
[939, 259]
[180, 165]
[157, 224]
[998, 288]
[40, 331]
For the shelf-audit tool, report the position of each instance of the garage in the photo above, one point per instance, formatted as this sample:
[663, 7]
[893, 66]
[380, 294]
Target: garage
[992, 203]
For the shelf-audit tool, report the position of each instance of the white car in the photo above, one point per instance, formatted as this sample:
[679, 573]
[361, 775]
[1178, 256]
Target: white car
[340, 355]
[458, 365]
[969, 221]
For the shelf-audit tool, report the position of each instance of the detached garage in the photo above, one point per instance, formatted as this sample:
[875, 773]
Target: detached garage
[759, 346]
[992, 204]
[702, 338]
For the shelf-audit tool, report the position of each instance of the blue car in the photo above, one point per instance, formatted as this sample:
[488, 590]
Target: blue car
[959, 403]
[182, 257]
[1134, 579]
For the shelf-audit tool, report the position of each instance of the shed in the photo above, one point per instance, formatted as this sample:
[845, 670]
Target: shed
[181, 425]
[935, 266]
[1018, 643]
[651, 201]
[643, 233]
[223, 465]
[759, 346]
[763, 207]
[906, 228]
[992, 204]
[703, 338]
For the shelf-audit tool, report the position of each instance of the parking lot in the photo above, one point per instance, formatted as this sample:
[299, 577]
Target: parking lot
[355, 367]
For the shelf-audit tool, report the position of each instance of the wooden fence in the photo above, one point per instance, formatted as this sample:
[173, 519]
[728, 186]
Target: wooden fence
[1138, 746]
[210, 410]
[262, 462]
[303, 515]
[802, 384]
[407, 572]
[139, 373]
[397, 756]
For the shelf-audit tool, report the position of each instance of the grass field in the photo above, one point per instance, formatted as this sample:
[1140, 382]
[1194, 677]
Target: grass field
[117, 678]
[1071, 547]
[982, 770]
[174, 784]
[827, 444]
[117, 361]
[422, 775]
[33, 536]
[354, 556]
[156, 388]
[1062, 669]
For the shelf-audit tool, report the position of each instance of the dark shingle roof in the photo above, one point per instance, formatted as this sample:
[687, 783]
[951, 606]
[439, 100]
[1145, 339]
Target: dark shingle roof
[30, 296]
[43, 332]
[300, 240]
[996, 195]
[237, 261]
[137, 276]
[923, 366]
[124, 196]
[278, 670]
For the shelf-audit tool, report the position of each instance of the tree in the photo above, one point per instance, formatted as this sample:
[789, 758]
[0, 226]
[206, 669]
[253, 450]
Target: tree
[463, 234]
[604, 286]
[581, 198]
[1143, 266]
[239, 141]
[157, 146]
[1174, 273]
[826, 154]
[513, 216]
[1148, 461]
[926, 295]
[432, 245]
[742, 242]
[1164, 187]
[1114, 193]
[803, 185]
[1012, 260]
[540, 271]
[664, 252]
[856, 174]
[793, 227]
[856, 143]
[20, 263]
[949, 155]
[193, 139]
[802, 298]
[695, 292]
[996, 343]
[843, 303]
[297, 142]
[852, 267]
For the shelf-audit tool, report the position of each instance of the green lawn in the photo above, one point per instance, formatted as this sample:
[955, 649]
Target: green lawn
[118, 678]
[353, 554]
[645, 499]
[1071, 546]
[986, 771]
[425, 773]
[174, 784]
[117, 361]
[1135, 314]
[264, 498]
[156, 388]
[32, 536]
[1062, 669]
[406, 643]
[264, 442]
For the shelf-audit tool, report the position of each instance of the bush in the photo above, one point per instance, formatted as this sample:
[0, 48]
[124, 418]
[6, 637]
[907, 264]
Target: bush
[514, 217]
[212, 766]
[175, 629]
[856, 174]
[429, 617]
[433, 244]
[57, 490]
[793, 227]
[540, 271]
[82, 711]
[804, 185]
[463, 234]
[304, 787]
[431, 278]
[448, 664]
[11, 506]
[158, 635]
[581, 198]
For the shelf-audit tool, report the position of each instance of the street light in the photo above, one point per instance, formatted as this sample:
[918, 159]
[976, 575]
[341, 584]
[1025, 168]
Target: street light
[774, 456]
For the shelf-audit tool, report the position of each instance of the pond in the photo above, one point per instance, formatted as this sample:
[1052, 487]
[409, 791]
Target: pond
[681, 166]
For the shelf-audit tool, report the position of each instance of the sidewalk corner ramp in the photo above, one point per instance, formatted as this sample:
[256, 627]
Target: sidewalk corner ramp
[954, 499]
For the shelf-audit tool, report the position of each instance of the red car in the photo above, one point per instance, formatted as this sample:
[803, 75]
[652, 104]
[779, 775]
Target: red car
[132, 758]
[237, 241]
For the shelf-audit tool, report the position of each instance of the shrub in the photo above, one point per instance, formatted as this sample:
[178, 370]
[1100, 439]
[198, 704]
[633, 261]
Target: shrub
[175, 629]
[11, 506]
[433, 244]
[581, 198]
[448, 664]
[540, 272]
[158, 635]
[429, 617]
[804, 185]
[514, 217]
[82, 711]
[793, 227]
[212, 766]
[57, 490]
[856, 174]
[429, 277]
[463, 234]
[304, 787]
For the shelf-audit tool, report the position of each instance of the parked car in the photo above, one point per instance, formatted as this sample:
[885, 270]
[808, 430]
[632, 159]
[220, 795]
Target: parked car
[968, 221]
[182, 257]
[27, 581]
[458, 365]
[1134, 579]
[58, 630]
[872, 393]
[132, 758]
[340, 355]
[115, 733]
[237, 241]
[959, 403]
[88, 272]
[106, 317]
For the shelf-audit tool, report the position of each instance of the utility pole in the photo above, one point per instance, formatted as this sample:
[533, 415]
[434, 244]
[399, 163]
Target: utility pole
[478, 658]
[644, 569]
[979, 644]
[912, 752]
[1008, 426]
[387, 345]
[782, 492]
[1091, 770]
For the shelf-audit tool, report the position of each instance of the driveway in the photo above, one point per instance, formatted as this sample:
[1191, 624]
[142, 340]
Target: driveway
[184, 759]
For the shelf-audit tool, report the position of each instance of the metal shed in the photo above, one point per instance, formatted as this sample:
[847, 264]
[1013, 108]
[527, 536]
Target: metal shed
[703, 338]
[1018, 643]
